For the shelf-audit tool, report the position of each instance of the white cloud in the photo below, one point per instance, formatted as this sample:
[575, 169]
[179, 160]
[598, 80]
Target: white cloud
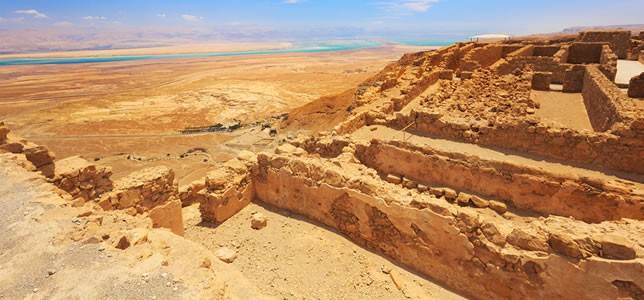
[162, 15]
[63, 24]
[407, 5]
[94, 18]
[191, 18]
[33, 12]
[292, 1]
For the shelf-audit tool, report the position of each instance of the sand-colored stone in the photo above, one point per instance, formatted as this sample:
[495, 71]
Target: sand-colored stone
[168, 215]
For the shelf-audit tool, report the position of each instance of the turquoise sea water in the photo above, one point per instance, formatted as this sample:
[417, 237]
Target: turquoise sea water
[298, 48]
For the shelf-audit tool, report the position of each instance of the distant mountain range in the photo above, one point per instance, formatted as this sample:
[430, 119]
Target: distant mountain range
[634, 28]
[631, 27]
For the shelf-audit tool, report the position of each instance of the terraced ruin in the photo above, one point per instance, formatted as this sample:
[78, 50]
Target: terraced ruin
[499, 170]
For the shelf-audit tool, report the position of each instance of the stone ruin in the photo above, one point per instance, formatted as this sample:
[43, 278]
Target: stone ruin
[445, 166]
[151, 192]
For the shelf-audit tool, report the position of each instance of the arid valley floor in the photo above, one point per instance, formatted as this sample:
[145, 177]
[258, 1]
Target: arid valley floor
[487, 170]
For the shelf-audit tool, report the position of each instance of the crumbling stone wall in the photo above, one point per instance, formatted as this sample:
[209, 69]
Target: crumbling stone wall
[619, 40]
[573, 79]
[636, 86]
[527, 50]
[482, 57]
[40, 156]
[526, 188]
[152, 191]
[224, 191]
[81, 179]
[601, 100]
[608, 63]
[418, 88]
[541, 81]
[547, 51]
[141, 190]
[472, 250]
[535, 63]
[532, 136]
[584, 53]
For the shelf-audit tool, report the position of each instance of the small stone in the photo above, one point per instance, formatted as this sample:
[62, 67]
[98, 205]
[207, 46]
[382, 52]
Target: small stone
[498, 207]
[397, 279]
[164, 275]
[226, 254]
[91, 240]
[78, 202]
[285, 149]
[258, 221]
[131, 211]
[175, 288]
[206, 263]
[122, 243]
[51, 272]
[565, 245]
[391, 178]
[436, 192]
[85, 213]
[478, 202]
[409, 183]
[450, 194]
[35, 290]
[617, 247]
[168, 284]
[463, 199]
[386, 269]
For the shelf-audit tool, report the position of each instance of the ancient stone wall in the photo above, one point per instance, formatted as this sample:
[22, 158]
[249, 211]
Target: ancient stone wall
[562, 55]
[472, 250]
[599, 149]
[224, 191]
[573, 78]
[584, 53]
[482, 57]
[619, 40]
[548, 51]
[608, 63]
[81, 179]
[535, 63]
[523, 51]
[527, 188]
[141, 190]
[541, 81]
[40, 156]
[636, 86]
[152, 191]
[601, 100]
[417, 88]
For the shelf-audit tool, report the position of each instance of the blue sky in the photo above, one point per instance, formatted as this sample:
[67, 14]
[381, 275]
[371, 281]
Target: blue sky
[302, 19]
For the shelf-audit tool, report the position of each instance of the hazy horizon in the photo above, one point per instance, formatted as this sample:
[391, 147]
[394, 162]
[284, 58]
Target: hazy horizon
[47, 25]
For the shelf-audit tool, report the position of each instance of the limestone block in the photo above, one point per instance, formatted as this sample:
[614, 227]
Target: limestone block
[168, 215]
